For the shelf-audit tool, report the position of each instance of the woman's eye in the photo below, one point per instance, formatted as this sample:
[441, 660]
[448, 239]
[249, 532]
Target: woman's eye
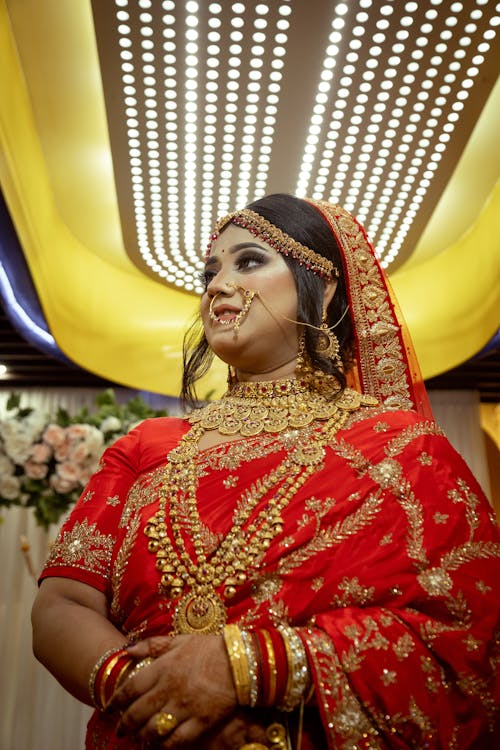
[250, 261]
[206, 277]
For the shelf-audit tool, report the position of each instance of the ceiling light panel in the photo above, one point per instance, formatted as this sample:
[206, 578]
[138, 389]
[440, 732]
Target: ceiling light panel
[214, 104]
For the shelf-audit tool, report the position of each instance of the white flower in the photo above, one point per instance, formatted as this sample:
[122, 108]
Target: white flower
[6, 465]
[9, 487]
[111, 424]
[94, 441]
[18, 447]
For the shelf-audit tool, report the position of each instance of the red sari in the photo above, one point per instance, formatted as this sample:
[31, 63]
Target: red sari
[388, 566]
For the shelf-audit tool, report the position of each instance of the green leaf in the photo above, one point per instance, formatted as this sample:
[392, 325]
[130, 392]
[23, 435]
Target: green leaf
[25, 412]
[106, 398]
[13, 401]
[62, 417]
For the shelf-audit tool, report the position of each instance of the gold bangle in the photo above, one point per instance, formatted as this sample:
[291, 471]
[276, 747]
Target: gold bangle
[273, 672]
[109, 668]
[95, 670]
[239, 663]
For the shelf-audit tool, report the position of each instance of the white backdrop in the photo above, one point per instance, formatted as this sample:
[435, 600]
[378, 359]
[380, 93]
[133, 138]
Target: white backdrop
[36, 713]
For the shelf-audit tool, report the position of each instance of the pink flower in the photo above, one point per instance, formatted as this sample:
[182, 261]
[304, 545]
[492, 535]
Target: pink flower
[78, 453]
[69, 471]
[35, 470]
[41, 453]
[54, 435]
[62, 452]
[61, 485]
[77, 431]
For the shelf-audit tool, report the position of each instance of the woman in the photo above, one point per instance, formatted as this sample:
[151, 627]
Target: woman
[300, 564]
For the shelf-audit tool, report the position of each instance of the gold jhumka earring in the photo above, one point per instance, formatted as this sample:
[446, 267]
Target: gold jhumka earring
[328, 345]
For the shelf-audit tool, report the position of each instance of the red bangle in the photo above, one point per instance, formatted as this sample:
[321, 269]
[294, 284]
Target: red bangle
[109, 674]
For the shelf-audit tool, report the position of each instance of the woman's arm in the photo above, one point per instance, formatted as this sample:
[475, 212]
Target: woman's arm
[71, 631]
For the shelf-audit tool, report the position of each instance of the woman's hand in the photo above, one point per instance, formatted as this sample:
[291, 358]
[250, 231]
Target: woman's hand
[190, 681]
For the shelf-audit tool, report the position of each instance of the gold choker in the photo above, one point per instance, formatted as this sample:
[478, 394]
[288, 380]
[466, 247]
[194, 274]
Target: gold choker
[273, 406]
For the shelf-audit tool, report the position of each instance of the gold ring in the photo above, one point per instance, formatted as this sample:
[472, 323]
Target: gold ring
[165, 723]
[253, 746]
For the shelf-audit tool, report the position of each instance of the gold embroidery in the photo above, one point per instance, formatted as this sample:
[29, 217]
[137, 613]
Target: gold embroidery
[435, 581]
[471, 502]
[425, 459]
[84, 547]
[440, 517]
[387, 539]
[403, 646]
[388, 677]
[144, 491]
[468, 552]
[419, 717]
[88, 496]
[381, 427]
[115, 500]
[334, 692]
[478, 687]
[387, 473]
[120, 565]
[471, 643]
[354, 593]
[399, 443]
[326, 537]
[317, 583]
[458, 607]
[483, 587]
[230, 481]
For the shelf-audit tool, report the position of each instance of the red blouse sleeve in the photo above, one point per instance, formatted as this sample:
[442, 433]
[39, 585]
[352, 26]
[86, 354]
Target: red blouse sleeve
[84, 547]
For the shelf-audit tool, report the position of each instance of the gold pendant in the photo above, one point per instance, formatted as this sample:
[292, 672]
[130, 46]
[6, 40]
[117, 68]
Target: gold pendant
[200, 613]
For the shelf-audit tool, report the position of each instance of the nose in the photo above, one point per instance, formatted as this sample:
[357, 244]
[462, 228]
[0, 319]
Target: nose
[220, 283]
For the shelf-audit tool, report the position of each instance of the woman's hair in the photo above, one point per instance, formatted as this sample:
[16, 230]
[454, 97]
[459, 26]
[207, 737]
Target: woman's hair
[305, 224]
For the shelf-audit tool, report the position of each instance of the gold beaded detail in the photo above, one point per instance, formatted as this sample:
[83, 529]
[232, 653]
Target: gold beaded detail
[278, 240]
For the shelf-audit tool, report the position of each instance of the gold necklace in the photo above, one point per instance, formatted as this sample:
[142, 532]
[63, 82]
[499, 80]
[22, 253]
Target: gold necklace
[200, 582]
[273, 406]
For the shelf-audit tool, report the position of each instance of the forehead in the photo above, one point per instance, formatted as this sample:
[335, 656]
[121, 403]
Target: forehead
[232, 237]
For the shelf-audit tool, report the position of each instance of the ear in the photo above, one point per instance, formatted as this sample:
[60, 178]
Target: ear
[329, 292]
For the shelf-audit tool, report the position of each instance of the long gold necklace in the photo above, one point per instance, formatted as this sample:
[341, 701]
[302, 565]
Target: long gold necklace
[203, 582]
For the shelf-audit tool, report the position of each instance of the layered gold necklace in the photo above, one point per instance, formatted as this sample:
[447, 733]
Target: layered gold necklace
[203, 581]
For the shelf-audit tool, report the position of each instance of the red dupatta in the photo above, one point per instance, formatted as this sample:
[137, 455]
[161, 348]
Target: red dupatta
[386, 365]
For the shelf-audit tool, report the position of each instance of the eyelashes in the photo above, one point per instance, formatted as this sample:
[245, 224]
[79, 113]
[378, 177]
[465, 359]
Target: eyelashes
[245, 261]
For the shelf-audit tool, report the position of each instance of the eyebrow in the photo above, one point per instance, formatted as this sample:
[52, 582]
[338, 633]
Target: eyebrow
[236, 248]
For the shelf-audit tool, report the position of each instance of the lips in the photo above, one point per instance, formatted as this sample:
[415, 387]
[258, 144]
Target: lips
[225, 313]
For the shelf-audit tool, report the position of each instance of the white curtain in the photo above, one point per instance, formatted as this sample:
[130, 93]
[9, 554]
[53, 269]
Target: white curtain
[36, 712]
[458, 414]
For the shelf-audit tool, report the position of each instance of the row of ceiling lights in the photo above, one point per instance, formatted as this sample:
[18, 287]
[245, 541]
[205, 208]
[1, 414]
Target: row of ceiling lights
[420, 134]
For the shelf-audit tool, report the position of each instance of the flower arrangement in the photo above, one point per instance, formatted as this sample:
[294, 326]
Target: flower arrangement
[45, 462]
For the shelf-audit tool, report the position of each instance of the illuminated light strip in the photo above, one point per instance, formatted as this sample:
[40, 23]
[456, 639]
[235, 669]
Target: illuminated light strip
[11, 300]
[209, 132]
[272, 99]
[230, 111]
[141, 209]
[191, 135]
[171, 140]
[424, 183]
[253, 95]
[317, 118]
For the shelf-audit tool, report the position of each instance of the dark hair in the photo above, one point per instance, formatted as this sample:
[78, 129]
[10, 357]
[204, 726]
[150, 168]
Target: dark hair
[305, 224]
